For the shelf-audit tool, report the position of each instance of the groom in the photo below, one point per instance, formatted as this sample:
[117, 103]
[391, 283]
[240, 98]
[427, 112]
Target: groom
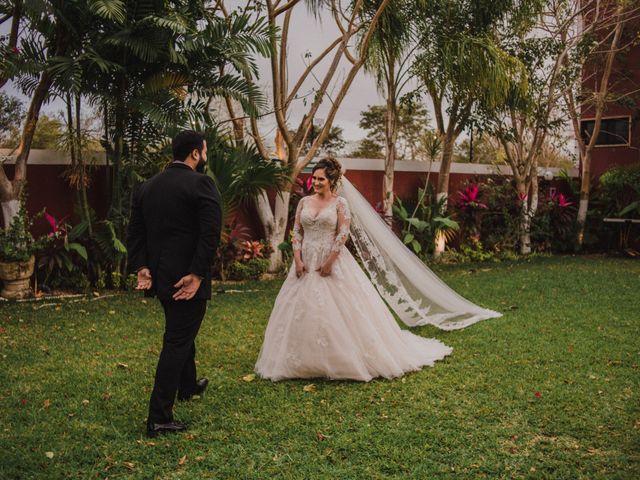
[173, 235]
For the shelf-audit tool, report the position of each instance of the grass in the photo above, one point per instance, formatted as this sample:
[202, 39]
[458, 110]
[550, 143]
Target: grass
[76, 377]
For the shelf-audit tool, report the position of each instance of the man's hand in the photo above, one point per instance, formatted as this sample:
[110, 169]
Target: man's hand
[187, 287]
[144, 279]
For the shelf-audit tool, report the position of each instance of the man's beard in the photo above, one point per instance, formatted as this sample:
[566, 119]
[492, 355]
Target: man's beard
[201, 166]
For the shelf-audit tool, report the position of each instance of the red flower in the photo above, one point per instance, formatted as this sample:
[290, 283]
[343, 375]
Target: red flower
[537, 394]
[562, 201]
[56, 225]
[469, 198]
[522, 196]
[309, 183]
[15, 50]
[23, 402]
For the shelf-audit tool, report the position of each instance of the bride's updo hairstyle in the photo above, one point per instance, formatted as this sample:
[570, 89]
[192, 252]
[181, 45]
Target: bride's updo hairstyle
[332, 170]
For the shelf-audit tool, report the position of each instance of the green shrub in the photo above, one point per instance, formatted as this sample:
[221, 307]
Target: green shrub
[250, 270]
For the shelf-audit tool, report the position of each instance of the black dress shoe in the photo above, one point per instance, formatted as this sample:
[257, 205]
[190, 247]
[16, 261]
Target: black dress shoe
[155, 429]
[201, 386]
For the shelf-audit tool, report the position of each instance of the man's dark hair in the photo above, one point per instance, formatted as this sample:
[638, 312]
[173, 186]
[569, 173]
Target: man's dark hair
[186, 142]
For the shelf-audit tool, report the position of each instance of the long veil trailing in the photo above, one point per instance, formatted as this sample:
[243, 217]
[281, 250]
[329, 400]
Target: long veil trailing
[409, 287]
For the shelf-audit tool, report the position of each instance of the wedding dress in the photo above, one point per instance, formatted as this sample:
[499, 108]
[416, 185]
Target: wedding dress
[338, 327]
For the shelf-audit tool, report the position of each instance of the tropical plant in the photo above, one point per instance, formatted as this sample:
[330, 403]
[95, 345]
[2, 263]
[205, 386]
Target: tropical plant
[242, 174]
[460, 65]
[17, 244]
[62, 254]
[420, 226]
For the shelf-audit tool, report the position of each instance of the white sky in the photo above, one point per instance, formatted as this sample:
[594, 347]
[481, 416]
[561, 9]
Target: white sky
[306, 35]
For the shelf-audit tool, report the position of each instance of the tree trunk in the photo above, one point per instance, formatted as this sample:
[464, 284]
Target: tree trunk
[275, 224]
[443, 186]
[528, 211]
[390, 134]
[10, 190]
[585, 187]
[10, 209]
[84, 201]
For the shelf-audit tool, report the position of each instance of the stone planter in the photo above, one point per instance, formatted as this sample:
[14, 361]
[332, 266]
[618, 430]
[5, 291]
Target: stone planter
[15, 278]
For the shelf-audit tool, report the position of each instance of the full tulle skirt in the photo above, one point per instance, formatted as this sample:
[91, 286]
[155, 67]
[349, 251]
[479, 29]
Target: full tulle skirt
[338, 327]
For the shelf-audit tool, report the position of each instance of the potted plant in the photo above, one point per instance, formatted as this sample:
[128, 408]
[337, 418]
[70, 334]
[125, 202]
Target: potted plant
[17, 260]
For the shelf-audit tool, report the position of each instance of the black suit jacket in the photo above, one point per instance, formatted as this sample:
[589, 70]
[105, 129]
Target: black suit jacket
[175, 229]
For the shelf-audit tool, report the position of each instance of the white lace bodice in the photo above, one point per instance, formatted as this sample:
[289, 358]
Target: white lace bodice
[318, 233]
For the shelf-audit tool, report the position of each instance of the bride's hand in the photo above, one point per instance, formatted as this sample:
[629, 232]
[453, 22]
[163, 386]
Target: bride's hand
[300, 269]
[325, 269]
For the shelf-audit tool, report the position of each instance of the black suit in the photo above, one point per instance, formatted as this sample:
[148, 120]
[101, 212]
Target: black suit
[174, 231]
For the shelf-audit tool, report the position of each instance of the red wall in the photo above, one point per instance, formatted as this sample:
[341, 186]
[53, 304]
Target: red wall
[624, 81]
[47, 188]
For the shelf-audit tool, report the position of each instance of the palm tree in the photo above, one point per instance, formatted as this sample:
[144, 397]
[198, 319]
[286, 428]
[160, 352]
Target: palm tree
[388, 59]
[460, 65]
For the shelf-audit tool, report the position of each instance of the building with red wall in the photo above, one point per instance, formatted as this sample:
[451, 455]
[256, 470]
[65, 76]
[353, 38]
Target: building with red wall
[618, 143]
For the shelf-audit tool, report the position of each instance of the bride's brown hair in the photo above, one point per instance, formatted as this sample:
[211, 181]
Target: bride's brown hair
[332, 169]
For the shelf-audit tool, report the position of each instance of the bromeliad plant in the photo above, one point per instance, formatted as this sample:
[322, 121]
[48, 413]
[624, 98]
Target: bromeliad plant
[63, 253]
[469, 208]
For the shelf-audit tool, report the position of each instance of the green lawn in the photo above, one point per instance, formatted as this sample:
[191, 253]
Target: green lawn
[76, 376]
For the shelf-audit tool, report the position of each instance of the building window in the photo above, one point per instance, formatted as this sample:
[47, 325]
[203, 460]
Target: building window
[613, 131]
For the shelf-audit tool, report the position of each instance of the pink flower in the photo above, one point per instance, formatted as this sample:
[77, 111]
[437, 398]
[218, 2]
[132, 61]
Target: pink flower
[562, 201]
[309, 183]
[56, 225]
[469, 198]
[522, 196]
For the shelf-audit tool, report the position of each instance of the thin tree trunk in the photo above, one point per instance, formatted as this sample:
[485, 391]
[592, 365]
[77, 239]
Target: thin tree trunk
[585, 182]
[442, 190]
[84, 201]
[10, 190]
[390, 133]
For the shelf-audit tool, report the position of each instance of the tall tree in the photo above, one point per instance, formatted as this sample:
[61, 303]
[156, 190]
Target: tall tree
[388, 60]
[606, 28]
[460, 65]
[41, 33]
[352, 20]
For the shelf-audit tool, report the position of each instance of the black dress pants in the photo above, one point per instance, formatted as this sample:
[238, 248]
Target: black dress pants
[176, 370]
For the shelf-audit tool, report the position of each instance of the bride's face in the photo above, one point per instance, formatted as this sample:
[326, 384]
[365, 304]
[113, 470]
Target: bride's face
[321, 183]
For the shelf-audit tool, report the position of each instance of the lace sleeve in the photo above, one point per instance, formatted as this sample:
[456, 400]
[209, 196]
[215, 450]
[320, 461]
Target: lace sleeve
[344, 224]
[298, 232]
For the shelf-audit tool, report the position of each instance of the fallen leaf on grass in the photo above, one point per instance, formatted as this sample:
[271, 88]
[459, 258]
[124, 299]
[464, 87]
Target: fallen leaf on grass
[112, 312]
[129, 465]
[85, 402]
[46, 404]
[48, 454]
[106, 396]
[320, 437]
[183, 460]
[309, 388]
[200, 458]
[122, 365]
[249, 378]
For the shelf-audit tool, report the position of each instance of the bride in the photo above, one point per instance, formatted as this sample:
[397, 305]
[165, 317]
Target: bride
[329, 320]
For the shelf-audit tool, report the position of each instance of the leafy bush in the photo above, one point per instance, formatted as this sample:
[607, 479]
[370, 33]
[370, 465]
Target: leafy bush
[423, 220]
[17, 244]
[250, 270]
